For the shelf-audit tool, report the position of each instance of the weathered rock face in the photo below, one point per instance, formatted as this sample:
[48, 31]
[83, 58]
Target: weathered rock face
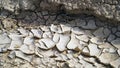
[102, 8]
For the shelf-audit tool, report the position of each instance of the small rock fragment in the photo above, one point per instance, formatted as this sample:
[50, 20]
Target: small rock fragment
[37, 33]
[23, 56]
[116, 43]
[61, 45]
[4, 39]
[116, 63]
[83, 38]
[56, 37]
[97, 40]
[94, 51]
[108, 57]
[77, 30]
[29, 40]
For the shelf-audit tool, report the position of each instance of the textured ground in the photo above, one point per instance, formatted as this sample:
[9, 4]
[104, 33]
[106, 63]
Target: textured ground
[33, 38]
[49, 40]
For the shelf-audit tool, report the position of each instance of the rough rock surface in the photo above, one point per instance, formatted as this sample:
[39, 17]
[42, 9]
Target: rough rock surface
[38, 38]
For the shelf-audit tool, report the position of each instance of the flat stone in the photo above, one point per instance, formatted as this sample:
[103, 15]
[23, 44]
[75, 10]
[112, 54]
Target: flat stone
[23, 56]
[66, 27]
[99, 33]
[77, 30]
[26, 49]
[4, 39]
[117, 34]
[97, 40]
[47, 35]
[94, 50]
[55, 28]
[29, 40]
[106, 32]
[116, 63]
[48, 43]
[90, 25]
[111, 38]
[37, 33]
[61, 45]
[73, 43]
[15, 36]
[86, 50]
[23, 31]
[106, 45]
[108, 57]
[56, 37]
[116, 43]
[15, 45]
[84, 38]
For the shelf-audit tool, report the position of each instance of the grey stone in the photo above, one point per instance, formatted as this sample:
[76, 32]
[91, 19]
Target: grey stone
[111, 37]
[116, 43]
[99, 33]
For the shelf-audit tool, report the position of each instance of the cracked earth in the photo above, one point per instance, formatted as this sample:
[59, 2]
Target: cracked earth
[49, 40]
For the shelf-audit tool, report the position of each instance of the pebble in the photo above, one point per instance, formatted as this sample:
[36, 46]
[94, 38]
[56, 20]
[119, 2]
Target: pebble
[111, 38]
[108, 57]
[86, 50]
[15, 36]
[25, 49]
[15, 45]
[23, 56]
[55, 28]
[4, 39]
[37, 33]
[118, 51]
[77, 30]
[66, 27]
[117, 34]
[47, 35]
[116, 43]
[12, 54]
[3, 48]
[94, 50]
[99, 33]
[106, 32]
[90, 25]
[48, 43]
[97, 40]
[61, 45]
[84, 38]
[74, 43]
[23, 31]
[56, 37]
[29, 40]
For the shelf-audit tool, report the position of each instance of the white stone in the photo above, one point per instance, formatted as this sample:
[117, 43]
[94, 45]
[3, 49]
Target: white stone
[99, 33]
[116, 43]
[37, 33]
[15, 44]
[77, 30]
[48, 43]
[25, 49]
[41, 45]
[56, 37]
[108, 57]
[106, 45]
[23, 56]
[61, 45]
[97, 40]
[55, 28]
[94, 51]
[66, 27]
[111, 37]
[86, 50]
[28, 40]
[90, 25]
[15, 36]
[112, 50]
[118, 51]
[45, 28]
[47, 35]
[23, 31]
[83, 38]
[116, 63]
[4, 39]
[82, 45]
[74, 43]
